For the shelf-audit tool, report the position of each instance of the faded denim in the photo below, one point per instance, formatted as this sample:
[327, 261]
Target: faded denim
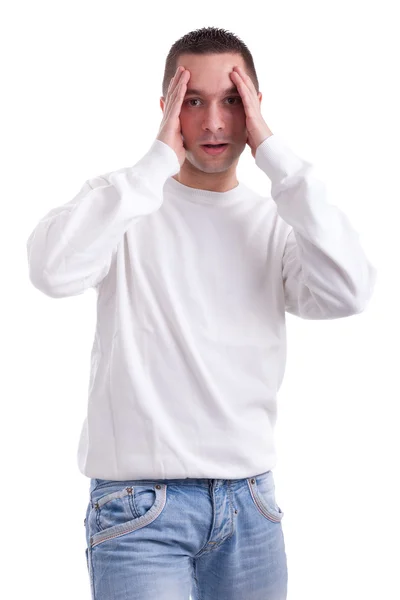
[182, 539]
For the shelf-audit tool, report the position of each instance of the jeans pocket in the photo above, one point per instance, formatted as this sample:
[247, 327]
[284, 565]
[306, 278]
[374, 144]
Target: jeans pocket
[262, 489]
[114, 507]
[118, 509]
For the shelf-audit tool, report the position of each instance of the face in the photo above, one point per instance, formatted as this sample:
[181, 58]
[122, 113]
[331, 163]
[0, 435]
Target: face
[214, 113]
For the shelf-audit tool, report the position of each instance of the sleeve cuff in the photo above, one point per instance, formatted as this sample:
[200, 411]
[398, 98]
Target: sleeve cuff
[277, 159]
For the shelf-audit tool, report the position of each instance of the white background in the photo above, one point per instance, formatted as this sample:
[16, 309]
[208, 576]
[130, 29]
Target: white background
[81, 88]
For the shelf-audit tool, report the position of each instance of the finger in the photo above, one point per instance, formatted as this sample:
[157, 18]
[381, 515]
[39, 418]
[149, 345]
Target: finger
[173, 104]
[171, 91]
[246, 78]
[244, 83]
[238, 81]
[179, 93]
[237, 77]
[245, 92]
[174, 81]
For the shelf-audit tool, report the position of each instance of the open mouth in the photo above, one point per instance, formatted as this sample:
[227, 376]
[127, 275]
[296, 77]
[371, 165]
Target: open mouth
[214, 148]
[214, 145]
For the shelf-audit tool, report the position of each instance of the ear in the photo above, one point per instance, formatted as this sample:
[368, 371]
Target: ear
[259, 95]
[162, 103]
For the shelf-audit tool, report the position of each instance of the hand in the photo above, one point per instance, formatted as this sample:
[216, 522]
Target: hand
[257, 129]
[170, 129]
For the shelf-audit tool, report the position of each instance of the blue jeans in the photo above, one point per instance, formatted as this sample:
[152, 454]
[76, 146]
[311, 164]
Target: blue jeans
[181, 539]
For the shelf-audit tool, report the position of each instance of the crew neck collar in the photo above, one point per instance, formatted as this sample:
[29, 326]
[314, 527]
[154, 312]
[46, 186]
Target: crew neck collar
[204, 196]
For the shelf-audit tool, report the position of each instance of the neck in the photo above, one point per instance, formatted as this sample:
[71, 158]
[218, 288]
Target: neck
[214, 182]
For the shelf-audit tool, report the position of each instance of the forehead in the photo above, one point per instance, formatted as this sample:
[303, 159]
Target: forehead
[209, 73]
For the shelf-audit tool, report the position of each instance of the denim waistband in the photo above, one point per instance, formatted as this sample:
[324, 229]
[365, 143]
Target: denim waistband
[94, 483]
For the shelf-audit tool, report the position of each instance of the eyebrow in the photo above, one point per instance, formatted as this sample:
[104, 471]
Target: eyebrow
[193, 91]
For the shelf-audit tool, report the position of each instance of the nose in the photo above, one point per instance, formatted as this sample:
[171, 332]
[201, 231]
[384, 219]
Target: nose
[213, 119]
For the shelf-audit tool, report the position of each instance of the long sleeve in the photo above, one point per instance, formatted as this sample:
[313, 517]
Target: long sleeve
[325, 272]
[71, 247]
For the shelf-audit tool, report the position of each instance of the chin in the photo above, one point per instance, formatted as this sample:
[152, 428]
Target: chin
[212, 168]
[208, 164]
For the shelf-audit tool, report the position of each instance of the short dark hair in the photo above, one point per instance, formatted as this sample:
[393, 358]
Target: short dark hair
[208, 40]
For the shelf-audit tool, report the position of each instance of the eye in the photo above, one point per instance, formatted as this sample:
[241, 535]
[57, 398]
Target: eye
[237, 98]
[191, 100]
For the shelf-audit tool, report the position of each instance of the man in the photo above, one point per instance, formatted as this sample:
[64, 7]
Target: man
[194, 272]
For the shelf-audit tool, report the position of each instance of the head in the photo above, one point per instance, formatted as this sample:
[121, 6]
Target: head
[211, 114]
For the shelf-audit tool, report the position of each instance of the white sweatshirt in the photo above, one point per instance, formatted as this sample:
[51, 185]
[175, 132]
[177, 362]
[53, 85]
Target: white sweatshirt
[192, 287]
